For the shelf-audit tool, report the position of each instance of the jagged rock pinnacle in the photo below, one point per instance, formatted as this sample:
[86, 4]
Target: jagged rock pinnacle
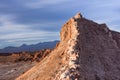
[75, 18]
[78, 16]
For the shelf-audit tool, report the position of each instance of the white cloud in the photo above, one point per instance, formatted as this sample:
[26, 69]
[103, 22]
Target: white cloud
[18, 39]
[8, 24]
[17, 34]
[26, 35]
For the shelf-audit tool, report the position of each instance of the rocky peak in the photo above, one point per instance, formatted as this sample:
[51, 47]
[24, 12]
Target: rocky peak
[78, 16]
[69, 28]
[87, 51]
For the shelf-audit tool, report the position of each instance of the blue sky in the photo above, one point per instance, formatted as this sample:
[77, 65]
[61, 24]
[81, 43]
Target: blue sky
[34, 21]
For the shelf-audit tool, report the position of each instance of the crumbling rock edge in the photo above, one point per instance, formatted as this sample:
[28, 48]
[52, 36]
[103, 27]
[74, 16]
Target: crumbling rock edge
[87, 51]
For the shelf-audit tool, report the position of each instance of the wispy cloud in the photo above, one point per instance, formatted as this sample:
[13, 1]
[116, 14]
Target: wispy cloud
[29, 38]
[32, 21]
[17, 34]
[18, 39]
[26, 35]
[8, 24]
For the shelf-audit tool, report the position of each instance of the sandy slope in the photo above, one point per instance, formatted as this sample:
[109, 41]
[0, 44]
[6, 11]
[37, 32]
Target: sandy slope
[9, 71]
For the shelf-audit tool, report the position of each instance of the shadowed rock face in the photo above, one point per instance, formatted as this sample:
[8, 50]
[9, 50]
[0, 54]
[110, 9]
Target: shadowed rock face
[87, 51]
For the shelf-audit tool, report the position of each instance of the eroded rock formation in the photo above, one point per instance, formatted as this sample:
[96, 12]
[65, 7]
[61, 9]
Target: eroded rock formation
[25, 56]
[87, 51]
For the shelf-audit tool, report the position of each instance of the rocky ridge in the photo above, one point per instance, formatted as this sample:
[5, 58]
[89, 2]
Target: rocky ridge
[87, 51]
[13, 65]
[25, 56]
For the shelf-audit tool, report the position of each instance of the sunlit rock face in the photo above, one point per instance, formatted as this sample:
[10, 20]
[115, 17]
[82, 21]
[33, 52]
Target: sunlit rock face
[87, 51]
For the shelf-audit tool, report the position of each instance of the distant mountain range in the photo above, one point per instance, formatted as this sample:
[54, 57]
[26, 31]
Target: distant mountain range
[33, 47]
